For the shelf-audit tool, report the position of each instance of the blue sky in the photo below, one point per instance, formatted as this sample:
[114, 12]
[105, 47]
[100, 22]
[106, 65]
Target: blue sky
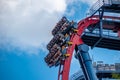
[25, 29]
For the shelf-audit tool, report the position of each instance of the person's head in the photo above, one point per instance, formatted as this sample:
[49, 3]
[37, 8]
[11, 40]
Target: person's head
[66, 35]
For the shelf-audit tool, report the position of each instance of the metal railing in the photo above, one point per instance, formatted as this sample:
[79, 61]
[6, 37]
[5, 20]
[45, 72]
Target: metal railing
[101, 3]
[106, 33]
[96, 6]
[115, 1]
[76, 75]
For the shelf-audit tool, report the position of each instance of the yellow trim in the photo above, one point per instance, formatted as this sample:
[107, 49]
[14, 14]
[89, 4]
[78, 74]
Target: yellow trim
[69, 42]
[67, 55]
[75, 30]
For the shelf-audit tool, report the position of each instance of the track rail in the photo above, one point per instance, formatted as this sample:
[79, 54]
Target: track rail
[75, 38]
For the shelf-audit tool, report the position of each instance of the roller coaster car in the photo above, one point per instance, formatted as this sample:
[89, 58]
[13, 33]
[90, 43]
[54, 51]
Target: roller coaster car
[56, 57]
[70, 28]
[63, 41]
[48, 57]
[64, 26]
[53, 41]
[53, 50]
[59, 25]
[61, 37]
[56, 29]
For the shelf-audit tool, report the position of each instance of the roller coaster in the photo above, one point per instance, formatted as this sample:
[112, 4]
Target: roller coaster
[97, 30]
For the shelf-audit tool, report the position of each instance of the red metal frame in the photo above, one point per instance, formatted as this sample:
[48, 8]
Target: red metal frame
[75, 38]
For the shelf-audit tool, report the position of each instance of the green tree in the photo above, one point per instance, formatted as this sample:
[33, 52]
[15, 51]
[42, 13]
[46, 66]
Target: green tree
[116, 76]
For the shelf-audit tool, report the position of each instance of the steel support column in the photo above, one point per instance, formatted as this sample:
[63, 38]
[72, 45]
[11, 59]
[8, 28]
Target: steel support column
[101, 12]
[85, 62]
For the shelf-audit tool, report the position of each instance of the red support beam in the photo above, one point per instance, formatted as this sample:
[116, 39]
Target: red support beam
[75, 38]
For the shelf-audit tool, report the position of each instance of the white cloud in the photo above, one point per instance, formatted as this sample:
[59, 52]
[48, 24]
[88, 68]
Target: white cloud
[29, 22]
